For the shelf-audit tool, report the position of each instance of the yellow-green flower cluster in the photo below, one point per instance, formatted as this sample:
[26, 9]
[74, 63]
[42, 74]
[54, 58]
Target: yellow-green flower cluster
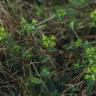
[48, 41]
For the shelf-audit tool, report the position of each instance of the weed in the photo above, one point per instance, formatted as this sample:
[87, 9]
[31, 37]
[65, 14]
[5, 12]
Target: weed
[48, 42]
[3, 33]
[60, 13]
[28, 28]
[50, 53]
[93, 17]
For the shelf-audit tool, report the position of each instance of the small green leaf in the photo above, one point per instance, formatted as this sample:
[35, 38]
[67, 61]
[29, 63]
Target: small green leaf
[3, 33]
[45, 73]
[72, 25]
[35, 80]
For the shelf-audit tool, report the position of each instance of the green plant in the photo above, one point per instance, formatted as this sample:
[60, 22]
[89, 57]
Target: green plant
[77, 3]
[48, 42]
[90, 74]
[33, 80]
[91, 60]
[78, 43]
[75, 44]
[91, 55]
[3, 33]
[40, 11]
[88, 64]
[16, 49]
[28, 54]
[72, 25]
[60, 14]
[34, 85]
[28, 28]
[45, 73]
[93, 17]
[77, 66]
[34, 61]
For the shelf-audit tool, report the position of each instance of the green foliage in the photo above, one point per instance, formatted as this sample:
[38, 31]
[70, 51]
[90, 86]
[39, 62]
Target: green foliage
[91, 60]
[91, 55]
[93, 17]
[34, 81]
[45, 73]
[77, 66]
[76, 44]
[88, 65]
[28, 54]
[33, 84]
[48, 65]
[72, 25]
[60, 13]
[77, 3]
[90, 87]
[40, 11]
[48, 42]
[15, 48]
[3, 33]
[91, 73]
[28, 28]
